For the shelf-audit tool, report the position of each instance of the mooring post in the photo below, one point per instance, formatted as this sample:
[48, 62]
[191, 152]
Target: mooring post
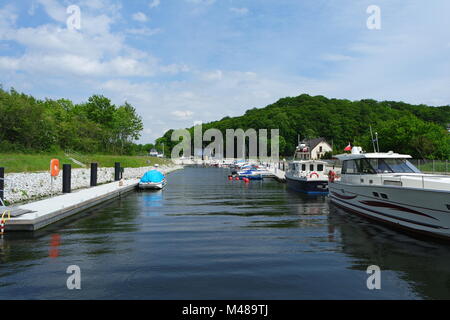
[117, 171]
[67, 178]
[2, 184]
[94, 167]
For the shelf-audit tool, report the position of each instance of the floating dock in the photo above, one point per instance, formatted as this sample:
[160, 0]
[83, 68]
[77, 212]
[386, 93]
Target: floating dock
[278, 174]
[37, 215]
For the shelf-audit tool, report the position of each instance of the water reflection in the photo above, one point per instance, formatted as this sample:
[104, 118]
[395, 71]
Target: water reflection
[205, 237]
[421, 262]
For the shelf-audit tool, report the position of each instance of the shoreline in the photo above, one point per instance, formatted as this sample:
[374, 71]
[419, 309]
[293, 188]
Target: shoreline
[38, 214]
[23, 188]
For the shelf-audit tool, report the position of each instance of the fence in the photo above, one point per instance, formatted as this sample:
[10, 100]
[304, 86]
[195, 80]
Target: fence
[432, 166]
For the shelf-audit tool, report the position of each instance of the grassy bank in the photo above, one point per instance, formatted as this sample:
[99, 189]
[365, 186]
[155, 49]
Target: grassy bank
[16, 162]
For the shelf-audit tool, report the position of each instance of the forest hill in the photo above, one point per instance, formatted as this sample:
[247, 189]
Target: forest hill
[418, 130]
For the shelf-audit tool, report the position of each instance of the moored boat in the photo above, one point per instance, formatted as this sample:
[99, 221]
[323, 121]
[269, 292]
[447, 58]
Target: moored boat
[153, 179]
[307, 176]
[386, 187]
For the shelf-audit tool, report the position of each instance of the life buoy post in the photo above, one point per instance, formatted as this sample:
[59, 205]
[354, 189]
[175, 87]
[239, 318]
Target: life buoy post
[54, 167]
[331, 176]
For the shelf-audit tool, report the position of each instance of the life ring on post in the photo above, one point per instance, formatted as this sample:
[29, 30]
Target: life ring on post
[54, 167]
[331, 176]
[314, 173]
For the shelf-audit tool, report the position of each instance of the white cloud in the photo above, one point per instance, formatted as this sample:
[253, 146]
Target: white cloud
[336, 57]
[182, 114]
[93, 51]
[205, 2]
[143, 31]
[239, 11]
[212, 76]
[140, 16]
[154, 3]
[201, 97]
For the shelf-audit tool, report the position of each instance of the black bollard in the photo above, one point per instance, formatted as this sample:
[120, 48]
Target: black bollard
[94, 167]
[2, 184]
[67, 178]
[117, 171]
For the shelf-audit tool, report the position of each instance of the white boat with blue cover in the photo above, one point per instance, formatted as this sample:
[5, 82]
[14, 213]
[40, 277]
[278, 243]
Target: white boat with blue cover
[153, 179]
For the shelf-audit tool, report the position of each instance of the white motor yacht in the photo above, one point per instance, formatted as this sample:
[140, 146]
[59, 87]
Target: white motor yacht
[388, 188]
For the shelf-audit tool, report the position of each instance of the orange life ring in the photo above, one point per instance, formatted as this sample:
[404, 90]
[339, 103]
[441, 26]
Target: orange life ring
[314, 173]
[54, 167]
[331, 176]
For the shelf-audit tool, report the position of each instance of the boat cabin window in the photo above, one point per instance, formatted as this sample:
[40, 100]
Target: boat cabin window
[365, 167]
[320, 167]
[349, 167]
[303, 167]
[393, 165]
[311, 167]
[357, 166]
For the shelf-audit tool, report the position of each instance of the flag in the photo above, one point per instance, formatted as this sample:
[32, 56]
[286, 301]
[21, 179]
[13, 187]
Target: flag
[348, 148]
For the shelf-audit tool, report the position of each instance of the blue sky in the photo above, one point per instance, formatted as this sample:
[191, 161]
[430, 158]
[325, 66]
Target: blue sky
[181, 61]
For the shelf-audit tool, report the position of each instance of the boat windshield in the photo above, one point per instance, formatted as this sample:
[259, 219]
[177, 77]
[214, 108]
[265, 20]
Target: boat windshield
[392, 165]
[378, 165]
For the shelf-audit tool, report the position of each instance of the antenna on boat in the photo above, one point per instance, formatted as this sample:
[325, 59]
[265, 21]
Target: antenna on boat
[378, 146]
[373, 141]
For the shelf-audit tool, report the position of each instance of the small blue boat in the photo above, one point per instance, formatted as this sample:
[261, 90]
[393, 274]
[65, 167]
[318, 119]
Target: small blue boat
[153, 179]
[250, 174]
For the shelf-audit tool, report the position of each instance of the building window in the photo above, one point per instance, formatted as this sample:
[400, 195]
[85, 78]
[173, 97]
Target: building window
[320, 149]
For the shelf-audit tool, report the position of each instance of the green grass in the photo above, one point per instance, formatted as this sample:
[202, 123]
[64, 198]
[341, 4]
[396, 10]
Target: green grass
[17, 162]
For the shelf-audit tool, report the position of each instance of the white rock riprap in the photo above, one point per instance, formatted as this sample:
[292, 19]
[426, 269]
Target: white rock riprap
[21, 187]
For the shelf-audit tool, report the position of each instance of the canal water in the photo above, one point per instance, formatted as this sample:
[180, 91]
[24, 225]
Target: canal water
[205, 237]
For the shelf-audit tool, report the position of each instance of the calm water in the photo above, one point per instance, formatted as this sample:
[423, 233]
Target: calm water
[205, 237]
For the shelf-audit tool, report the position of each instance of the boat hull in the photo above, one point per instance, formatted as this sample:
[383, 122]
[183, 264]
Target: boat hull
[152, 185]
[418, 210]
[251, 177]
[308, 186]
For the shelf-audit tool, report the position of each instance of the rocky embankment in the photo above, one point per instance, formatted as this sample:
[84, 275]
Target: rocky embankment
[20, 187]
